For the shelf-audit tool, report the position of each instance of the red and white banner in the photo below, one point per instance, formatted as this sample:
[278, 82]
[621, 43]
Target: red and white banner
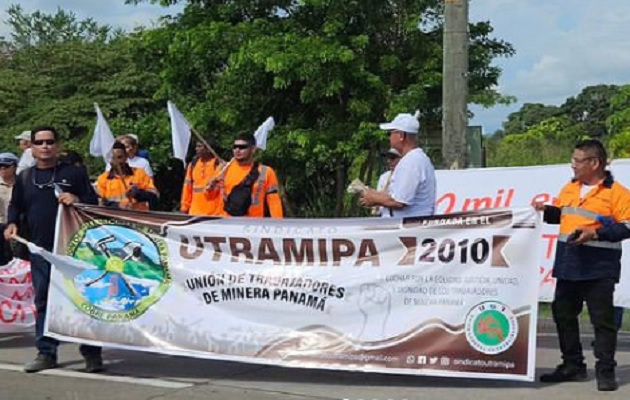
[17, 311]
[477, 189]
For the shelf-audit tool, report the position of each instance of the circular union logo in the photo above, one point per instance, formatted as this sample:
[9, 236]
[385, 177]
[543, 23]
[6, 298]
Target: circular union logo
[491, 327]
[130, 270]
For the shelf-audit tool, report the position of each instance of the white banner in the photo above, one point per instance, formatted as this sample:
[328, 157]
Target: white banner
[17, 311]
[444, 296]
[476, 189]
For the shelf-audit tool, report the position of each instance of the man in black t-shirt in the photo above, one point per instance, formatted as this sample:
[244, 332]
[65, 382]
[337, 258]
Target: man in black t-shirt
[34, 201]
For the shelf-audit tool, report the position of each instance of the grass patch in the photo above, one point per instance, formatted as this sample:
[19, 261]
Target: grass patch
[544, 311]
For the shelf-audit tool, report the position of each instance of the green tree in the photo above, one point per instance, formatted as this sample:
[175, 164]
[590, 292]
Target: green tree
[548, 142]
[328, 71]
[529, 115]
[58, 66]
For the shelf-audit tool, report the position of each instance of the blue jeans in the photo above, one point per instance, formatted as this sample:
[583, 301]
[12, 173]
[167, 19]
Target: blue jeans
[40, 273]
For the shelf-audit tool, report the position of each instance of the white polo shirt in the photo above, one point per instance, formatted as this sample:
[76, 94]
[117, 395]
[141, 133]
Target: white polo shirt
[26, 161]
[137, 162]
[413, 184]
[383, 184]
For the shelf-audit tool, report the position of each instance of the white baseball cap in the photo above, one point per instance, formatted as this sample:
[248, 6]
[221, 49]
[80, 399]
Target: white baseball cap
[26, 135]
[403, 122]
[393, 152]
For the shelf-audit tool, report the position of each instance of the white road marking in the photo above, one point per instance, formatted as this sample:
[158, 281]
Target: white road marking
[65, 373]
[7, 338]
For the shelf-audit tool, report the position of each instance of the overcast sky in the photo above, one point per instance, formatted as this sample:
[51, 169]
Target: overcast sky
[561, 46]
[112, 12]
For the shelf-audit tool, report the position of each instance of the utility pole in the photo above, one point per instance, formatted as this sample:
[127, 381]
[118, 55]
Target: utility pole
[455, 85]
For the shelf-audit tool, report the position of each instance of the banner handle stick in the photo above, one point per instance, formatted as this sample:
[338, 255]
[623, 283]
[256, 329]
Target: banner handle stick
[205, 143]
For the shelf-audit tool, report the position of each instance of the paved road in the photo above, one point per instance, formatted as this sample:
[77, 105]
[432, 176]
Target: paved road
[144, 376]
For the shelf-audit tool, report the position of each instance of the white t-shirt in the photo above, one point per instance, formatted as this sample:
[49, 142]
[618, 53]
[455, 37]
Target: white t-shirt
[380, 186]
[413, 183]
[26, 161]
[137, 162]
[584, 189]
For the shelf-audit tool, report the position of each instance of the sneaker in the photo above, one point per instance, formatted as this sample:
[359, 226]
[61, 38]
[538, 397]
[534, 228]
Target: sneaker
[94, 364]
[565, 373]
[607, 382]
[40, 363]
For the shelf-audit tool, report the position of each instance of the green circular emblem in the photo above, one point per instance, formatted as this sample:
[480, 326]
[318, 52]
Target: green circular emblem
[491, 327]
[126, 270]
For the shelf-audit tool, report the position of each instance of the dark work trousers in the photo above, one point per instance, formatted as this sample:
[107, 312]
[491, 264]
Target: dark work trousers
[619, 316]
[567, 305]
[40, 272]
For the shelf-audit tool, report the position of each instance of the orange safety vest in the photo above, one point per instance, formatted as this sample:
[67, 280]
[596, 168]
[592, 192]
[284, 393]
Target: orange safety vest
[264, 191]
[607, 201]
[112, 187]
[196, 200]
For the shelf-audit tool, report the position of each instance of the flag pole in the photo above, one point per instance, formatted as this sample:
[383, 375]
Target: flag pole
[20, 239]
[205, 143]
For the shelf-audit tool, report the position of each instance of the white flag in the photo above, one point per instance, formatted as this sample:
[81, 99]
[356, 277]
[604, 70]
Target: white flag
[103, 139]
[262, 131]
[180, 132]
[69, 266]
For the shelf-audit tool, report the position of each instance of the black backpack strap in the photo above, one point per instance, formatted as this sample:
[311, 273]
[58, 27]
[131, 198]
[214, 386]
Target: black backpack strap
[252, 176]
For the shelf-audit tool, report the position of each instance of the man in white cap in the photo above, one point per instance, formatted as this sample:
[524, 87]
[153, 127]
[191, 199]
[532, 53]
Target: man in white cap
[27, 160]
[412, 189]
[133, 159]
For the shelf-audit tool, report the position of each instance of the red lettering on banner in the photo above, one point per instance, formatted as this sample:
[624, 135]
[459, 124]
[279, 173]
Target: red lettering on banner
[499, 200]
[26, 295]
[547, 276]
[10, 313]
[452, 200]
[16, 281]
[551, 238]
[543, 198]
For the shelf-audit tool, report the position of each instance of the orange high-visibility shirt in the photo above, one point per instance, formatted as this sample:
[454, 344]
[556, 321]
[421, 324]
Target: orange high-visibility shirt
[196, 200]
[113, 187]
[607, 199]
[264, 190]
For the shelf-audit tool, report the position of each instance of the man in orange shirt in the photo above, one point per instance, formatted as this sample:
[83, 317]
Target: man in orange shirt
[247, 188]
[126, 187]
[196, 200]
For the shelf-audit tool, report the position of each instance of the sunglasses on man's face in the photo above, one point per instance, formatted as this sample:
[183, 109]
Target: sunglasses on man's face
[240, 147]
[41, 142]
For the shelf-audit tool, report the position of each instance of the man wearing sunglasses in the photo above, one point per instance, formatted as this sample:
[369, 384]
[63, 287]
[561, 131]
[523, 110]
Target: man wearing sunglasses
[35, 198]
[593, 211]
[247, 188]
[412, 189]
